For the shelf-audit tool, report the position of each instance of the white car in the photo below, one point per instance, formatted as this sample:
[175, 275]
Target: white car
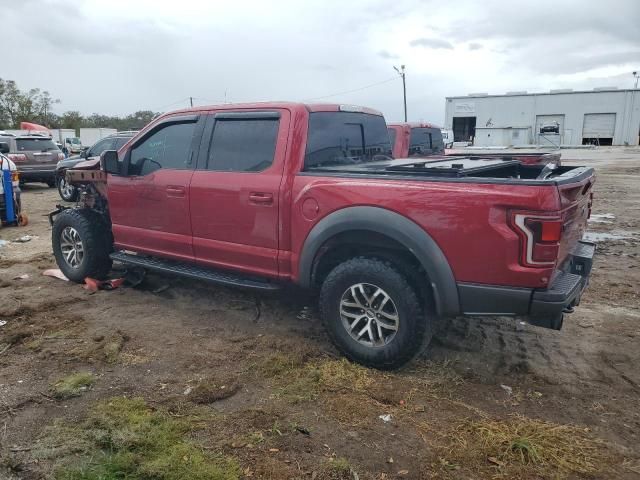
[447, 137]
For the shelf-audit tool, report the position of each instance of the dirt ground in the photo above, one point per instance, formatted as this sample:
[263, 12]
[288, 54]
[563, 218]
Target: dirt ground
[259, 385]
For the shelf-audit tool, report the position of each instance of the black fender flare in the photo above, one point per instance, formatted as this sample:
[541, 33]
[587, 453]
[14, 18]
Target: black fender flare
[395, 226]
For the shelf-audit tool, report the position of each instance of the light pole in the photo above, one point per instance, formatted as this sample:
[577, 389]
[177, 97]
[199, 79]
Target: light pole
[404, 88]
[636, 76]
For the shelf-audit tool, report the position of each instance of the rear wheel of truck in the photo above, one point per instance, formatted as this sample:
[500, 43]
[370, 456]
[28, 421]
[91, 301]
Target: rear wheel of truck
[373, 314]
[81, 244]
[67, 192]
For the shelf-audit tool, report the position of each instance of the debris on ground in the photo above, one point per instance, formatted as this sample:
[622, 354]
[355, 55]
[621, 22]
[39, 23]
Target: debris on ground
[507, 389]
[304, 314]
[55, 273]
[24, 239]
[385, 418]
[24, 276]
[134, 276]
[161, 288]
[93, 285]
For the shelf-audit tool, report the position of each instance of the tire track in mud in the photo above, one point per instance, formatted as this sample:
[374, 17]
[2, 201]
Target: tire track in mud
[494, 349]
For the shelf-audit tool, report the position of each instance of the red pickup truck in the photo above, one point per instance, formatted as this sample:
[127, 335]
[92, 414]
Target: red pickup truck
[261, 195]
[423, 140]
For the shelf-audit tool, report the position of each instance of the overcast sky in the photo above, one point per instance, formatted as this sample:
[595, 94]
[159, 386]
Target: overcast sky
[119, 56]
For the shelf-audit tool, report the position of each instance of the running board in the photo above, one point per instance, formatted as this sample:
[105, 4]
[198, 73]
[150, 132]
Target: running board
[194, 271]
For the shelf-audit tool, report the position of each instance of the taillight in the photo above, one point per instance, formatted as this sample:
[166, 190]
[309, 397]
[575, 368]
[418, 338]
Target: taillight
[540, 237]
[17, 157]
[15, 176]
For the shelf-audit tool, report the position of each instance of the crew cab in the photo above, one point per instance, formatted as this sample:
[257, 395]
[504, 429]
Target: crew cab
[425, 140]
[267, 194]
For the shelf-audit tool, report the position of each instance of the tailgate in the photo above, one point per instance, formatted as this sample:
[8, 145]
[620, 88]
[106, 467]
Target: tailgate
[575, 203]
[37, 158]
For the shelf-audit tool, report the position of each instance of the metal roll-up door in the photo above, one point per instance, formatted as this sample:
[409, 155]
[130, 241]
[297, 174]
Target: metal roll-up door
[599, 125]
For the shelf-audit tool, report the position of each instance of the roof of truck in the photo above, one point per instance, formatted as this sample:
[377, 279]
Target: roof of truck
[311, 107]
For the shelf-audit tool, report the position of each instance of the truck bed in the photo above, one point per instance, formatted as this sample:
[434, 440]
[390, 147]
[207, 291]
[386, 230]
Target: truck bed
[471, 168]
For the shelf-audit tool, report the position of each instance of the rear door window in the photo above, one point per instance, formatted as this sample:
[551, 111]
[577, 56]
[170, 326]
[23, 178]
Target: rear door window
[243, 145]
[168, 148]
[345, 138]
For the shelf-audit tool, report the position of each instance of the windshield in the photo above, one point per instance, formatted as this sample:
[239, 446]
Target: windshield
[346, 138]
[35, 144]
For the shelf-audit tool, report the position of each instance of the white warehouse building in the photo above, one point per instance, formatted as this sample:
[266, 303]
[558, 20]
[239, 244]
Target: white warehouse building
[603, 116]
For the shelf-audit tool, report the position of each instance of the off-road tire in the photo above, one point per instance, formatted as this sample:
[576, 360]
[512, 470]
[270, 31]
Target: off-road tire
[96, 239]
[415, 327]
[67, 198]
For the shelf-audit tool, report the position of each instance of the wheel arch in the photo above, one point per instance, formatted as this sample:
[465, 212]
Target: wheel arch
[395, 227]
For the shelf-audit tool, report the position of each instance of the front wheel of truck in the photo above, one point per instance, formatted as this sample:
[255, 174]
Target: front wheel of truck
[373, 314]
[81, 244]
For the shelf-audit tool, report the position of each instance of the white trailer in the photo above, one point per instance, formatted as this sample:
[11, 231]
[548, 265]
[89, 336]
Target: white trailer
[59, 134]
[89, 136]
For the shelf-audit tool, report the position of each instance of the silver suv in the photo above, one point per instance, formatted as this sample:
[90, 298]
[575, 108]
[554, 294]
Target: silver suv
[35, 157]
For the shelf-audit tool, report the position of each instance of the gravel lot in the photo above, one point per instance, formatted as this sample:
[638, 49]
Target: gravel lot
[266, 391]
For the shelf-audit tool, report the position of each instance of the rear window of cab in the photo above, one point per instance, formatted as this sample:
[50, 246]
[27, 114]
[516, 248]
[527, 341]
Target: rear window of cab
[345, 138]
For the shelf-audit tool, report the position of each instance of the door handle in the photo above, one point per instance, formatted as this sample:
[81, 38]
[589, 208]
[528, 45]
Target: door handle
[175, 191]
[261, 198]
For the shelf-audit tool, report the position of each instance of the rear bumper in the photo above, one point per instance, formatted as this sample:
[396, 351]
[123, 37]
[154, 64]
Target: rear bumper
[544, 308]
[43, 173]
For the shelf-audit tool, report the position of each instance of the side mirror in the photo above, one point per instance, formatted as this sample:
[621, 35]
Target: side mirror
[4, 147]
[109, 162]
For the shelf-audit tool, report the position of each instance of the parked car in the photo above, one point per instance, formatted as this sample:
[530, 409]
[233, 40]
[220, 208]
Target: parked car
[447, 137]
[424, 140]
[73, 145]
[69, 192]
[268, 194]
[35, 157]
[415, 140]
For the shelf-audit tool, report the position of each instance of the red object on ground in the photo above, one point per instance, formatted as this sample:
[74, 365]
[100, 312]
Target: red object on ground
[91, 284]
[94, 285]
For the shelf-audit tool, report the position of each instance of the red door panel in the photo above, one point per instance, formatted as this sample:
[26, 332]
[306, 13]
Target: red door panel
[235, 214]
[150, 213]
[235, 219]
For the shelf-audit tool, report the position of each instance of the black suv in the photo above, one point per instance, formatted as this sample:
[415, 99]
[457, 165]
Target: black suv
[68, 192]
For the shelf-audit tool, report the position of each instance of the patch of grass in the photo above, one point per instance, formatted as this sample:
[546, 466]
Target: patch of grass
[337, 469]
[520, 444]
[279, 364]
[105, 349]
[125, 438]
[213, 389]
[351, 409]
[341, 375]
[113, 345]
[73, 385]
